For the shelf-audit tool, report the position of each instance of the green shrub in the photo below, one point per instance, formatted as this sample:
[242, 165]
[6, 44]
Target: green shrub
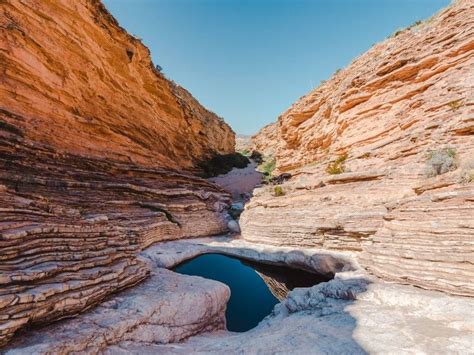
[267, 168]
[245, 152]
[338, 165]
[257, 157]
[414, 24]
[441, 161]
[222, 164]
[278, 191]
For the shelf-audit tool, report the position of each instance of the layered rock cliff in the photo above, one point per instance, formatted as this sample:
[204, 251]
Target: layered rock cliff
[382, 159]
[266, 141]
[91, 140]
[69, 64]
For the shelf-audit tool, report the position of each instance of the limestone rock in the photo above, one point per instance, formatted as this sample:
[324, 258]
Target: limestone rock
[233, 226]
[167, 307]
[374, 125]
[353, 313]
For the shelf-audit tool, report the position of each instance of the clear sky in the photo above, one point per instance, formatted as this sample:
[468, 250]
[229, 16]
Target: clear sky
[249, 60]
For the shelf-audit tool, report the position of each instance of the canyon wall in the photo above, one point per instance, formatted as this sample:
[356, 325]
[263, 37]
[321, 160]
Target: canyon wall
[91, 140]
[266, 140]
[382, 159]
[68, 63]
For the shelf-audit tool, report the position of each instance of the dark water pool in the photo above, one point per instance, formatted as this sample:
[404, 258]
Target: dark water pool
[255, 287]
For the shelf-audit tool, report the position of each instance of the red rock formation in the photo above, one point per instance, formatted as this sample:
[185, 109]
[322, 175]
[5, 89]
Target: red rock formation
[373, 125]
[70, 60]
[89, 133]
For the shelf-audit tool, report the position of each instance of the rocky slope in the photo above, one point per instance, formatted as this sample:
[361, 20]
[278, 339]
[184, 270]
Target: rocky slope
[382, 158]
[91, 138]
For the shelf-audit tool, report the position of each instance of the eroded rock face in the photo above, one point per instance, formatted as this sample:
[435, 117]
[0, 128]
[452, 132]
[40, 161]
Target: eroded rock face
[91, 139]
[266, 141]
[68, 64]
[358, 149]
[166, 308]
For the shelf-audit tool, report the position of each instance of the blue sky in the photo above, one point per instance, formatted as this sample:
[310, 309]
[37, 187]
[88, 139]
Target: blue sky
[249, 60]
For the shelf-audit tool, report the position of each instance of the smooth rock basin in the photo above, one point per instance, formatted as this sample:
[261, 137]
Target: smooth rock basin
[255, 287]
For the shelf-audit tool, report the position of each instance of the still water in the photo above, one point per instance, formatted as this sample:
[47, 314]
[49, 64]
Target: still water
[255, 287]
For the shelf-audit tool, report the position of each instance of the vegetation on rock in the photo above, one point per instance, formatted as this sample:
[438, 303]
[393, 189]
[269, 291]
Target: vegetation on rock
[222, 164]
[256, 157]
[278, 191]
[338, 165]
[441, 161]
[455, 104]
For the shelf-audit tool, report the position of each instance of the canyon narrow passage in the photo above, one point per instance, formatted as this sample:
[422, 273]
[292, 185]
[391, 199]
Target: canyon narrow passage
[135, 220]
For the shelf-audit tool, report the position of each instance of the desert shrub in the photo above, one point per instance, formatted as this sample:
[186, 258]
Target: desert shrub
[278, 191]
[441, 161]
[337, 166]
[396, 33]
[269, 166]
[222, 164]
[456, 104]
[467, 176]
[415, 24]
[245, 152]
[467, 171]
[256, 157]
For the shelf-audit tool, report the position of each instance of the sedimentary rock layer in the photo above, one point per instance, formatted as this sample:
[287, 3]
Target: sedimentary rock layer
[71, 226]
[359, 148]
[353, 313]
[166, 308]
[91, 139]
[419, 81]
[70, 66]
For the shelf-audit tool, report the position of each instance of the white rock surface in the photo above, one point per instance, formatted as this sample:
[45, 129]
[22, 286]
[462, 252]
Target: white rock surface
[352, 314]
[382, 319]
[167, 307]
